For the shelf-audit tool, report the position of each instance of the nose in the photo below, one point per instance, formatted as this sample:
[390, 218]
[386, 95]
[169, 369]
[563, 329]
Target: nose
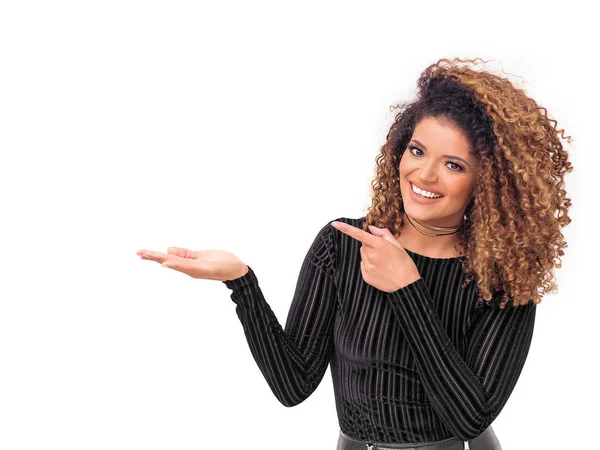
[427, 173]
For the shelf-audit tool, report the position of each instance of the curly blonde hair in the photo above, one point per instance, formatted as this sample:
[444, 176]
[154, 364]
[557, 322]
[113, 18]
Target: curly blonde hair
[512, 236]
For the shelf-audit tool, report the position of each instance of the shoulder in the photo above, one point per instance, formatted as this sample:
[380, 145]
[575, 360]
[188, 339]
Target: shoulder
[337, 236]
[355, 222]
[328, 241]
[501, 306]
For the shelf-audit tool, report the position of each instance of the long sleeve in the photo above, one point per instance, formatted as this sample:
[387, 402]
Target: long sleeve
[293, 360]
[467, 394]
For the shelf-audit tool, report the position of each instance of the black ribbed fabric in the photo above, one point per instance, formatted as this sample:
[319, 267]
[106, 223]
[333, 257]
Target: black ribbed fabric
[423, 363]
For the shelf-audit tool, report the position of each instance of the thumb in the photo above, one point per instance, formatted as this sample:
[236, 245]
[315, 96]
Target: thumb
[385, 234]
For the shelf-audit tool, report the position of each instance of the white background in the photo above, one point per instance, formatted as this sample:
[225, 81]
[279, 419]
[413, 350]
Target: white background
[245, 127]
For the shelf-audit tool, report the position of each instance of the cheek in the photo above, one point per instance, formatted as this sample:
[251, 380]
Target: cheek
[461, 187]
[404, 165]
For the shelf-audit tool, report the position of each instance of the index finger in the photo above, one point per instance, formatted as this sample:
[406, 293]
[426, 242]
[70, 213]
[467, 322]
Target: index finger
[360, 235]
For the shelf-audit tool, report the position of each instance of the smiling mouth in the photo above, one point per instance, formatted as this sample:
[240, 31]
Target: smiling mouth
[423, 196]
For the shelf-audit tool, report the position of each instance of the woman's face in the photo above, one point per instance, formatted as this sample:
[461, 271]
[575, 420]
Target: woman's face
[431, 161]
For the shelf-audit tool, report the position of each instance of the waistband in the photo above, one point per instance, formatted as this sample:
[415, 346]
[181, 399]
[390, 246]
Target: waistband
[485, 441]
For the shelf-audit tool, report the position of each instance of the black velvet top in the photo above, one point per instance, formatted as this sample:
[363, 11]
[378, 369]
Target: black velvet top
[423, 363]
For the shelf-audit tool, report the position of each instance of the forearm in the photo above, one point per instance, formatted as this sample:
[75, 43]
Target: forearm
[292, 369]
[467, 393]
[455, 393]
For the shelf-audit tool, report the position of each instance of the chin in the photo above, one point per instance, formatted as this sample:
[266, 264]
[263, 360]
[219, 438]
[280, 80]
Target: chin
[423, 215]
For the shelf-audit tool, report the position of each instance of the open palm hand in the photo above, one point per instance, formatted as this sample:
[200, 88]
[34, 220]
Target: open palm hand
[206, 264]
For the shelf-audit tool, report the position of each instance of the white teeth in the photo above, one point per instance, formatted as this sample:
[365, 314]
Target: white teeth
[424, 193]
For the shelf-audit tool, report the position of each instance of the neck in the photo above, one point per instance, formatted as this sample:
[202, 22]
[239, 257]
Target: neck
[422, 243]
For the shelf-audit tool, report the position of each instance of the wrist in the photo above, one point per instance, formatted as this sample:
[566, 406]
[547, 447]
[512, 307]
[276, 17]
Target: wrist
[410, 279]
[242, 271]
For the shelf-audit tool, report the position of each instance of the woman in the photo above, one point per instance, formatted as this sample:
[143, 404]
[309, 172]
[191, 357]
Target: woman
[425, 307]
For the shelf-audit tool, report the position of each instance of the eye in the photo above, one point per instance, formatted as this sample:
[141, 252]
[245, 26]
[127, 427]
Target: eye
[459, 168]
[410, 149]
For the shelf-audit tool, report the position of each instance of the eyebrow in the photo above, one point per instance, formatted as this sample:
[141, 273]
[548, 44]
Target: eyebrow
[445, 156]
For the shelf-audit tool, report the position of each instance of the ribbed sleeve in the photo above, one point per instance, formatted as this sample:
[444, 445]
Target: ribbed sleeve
[466, 393]
[293, 359]
[420, 364]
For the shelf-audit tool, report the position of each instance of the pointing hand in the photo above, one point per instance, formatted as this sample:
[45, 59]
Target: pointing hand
[385, 265]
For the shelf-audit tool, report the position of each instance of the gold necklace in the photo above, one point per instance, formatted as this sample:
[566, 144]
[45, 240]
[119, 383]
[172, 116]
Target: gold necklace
[452, 230]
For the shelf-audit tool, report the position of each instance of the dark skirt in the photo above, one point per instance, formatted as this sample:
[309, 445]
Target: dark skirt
[485, 441]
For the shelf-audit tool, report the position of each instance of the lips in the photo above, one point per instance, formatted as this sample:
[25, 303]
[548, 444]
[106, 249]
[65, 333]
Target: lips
[425, 189]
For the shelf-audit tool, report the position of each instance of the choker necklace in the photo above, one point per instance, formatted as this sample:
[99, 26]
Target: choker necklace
[451, 230]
